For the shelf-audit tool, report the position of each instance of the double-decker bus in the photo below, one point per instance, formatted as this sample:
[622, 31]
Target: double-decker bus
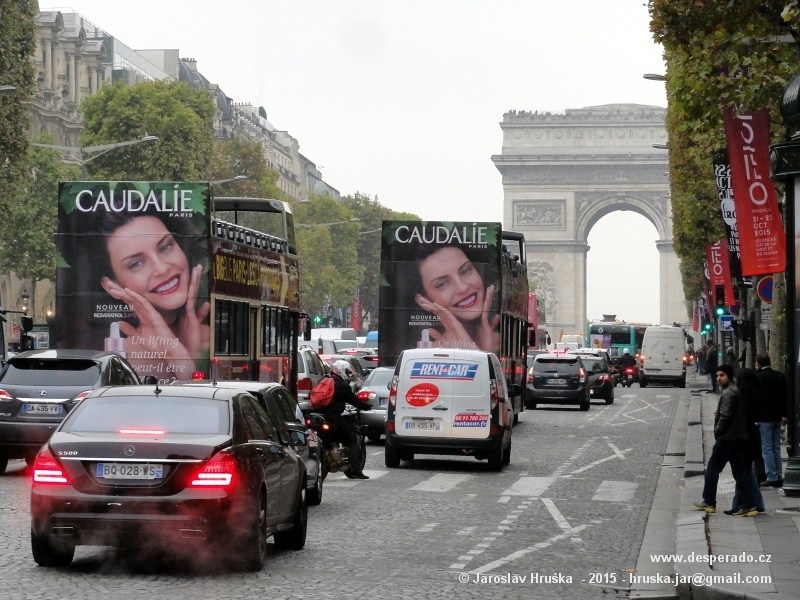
[183, 284]
[455, 285]
[538, 337]
[617, 337]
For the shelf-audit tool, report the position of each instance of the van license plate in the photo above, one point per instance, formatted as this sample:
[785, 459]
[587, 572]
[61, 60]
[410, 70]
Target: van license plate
[423, 425]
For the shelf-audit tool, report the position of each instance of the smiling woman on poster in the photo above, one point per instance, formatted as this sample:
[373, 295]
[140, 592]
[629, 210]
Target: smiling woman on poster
[146, 267]
[439, 286]
[453, 290]
[132, 273]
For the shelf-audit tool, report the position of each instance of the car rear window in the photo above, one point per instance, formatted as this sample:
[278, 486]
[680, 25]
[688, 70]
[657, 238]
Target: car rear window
[380, 378]
[171, 415]
[593, 364]
[557, 364]
[39, 372]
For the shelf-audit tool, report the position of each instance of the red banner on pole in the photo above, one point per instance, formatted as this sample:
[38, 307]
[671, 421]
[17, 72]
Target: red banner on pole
[719, 273]
[761, 234]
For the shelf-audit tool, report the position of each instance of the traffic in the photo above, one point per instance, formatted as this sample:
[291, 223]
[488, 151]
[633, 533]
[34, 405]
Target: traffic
[216, 415]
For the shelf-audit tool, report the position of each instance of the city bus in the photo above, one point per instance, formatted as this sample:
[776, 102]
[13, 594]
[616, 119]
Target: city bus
[617, 337]
[455, 285]
[183, 284]
[538, 337]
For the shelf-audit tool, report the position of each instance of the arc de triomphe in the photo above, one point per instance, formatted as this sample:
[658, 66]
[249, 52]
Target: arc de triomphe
[561, 174]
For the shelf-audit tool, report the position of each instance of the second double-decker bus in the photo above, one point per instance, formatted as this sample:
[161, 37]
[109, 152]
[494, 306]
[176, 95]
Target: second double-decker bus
[617, 337]
[183, 284]
[455, 285]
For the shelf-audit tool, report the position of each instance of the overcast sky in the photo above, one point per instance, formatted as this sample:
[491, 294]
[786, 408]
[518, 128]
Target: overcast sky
[402, 99]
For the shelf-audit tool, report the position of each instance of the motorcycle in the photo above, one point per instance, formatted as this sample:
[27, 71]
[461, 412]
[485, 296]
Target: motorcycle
[628, 376]
[335, 457]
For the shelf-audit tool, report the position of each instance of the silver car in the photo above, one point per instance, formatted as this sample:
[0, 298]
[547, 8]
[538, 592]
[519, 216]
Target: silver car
[376, 392]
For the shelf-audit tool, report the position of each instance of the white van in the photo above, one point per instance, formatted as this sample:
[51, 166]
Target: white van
[448, 401]
[663, 357]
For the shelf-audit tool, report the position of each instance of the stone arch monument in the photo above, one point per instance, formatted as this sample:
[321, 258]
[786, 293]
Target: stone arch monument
[564, 172]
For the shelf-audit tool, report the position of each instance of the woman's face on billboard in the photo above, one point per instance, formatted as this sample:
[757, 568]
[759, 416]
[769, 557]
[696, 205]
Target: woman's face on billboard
[146, 258]
[450, 279]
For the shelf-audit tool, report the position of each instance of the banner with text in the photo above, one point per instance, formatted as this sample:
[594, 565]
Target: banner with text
[758, 220]
[722, 177]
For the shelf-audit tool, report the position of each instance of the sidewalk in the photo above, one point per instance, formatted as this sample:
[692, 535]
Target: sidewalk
[742, 542]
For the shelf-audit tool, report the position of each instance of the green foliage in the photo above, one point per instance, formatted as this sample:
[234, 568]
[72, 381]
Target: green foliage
[241, 156]
[181, 117]
[718, 54]
[372, 214]
[17, 45]
[30, 222]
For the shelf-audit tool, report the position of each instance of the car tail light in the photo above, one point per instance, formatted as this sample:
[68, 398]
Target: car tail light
[47, 470]
[81, 396]
[393, 391]
[371, 358]
[4, 395]
[366, 395]
[219, 471]
[493, 393]
[304, 384]
[582, 375]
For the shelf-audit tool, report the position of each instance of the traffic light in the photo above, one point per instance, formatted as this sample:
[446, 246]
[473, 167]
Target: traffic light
[720, 310]
[720, 307]
[708, 327]
[317, 320]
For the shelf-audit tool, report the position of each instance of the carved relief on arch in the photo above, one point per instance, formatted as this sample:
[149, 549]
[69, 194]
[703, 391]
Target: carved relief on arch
[540, 214]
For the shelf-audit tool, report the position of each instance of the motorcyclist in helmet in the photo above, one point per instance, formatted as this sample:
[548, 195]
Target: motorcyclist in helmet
[627, 360]
[342, 374]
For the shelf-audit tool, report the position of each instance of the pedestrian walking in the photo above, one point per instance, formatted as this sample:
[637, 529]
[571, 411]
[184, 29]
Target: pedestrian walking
[730, 435]
[700, 361]
[751, 395]
[771, 414]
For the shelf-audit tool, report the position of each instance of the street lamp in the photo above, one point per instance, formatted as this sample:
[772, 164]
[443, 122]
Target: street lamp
[315, 225]
[67, 151]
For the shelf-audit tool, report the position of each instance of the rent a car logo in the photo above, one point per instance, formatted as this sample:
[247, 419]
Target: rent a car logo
[443, 370]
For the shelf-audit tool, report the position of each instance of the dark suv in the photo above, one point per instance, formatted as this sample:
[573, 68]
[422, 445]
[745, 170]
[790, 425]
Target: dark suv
[39, 387]
[557, 379]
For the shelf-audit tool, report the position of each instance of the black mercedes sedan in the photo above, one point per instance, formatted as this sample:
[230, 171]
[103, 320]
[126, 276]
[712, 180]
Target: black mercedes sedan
[195, 472]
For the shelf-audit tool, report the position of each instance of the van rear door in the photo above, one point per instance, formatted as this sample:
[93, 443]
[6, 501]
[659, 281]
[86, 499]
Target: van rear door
[442, 394]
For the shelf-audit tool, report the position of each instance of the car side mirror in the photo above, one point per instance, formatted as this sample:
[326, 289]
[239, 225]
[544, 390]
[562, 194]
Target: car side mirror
[298, 438]
[149, 380]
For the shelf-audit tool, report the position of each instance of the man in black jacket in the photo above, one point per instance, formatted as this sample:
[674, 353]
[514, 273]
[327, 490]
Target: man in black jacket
[771, 415]
[342, 396]
[730, 445]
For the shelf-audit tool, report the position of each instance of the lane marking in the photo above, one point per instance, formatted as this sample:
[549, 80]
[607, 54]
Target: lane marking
[560, 520]
[529, 486]
[615, 491]
[441, 482]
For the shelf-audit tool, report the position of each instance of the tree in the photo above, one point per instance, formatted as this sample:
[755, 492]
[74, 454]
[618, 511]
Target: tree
[30, 222]
[371, 214]
[329, 268]
[181, 117]
[717, 56]
[17, 45]
[241, 156]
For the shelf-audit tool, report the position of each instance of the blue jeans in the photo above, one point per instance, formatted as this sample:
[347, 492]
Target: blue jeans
[771, 449]
[754, 490]
[733, 452]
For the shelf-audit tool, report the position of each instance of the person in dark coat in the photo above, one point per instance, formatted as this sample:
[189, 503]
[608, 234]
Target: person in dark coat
[342, 396]
[730, 446]
[751, 395]
[771, 414]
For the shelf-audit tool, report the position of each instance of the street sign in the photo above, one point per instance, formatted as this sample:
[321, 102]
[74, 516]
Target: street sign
[764, 288]
[726, 322]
